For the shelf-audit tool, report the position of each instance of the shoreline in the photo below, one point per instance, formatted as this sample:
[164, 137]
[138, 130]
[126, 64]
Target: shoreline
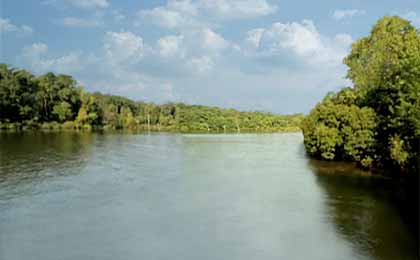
[136, 131]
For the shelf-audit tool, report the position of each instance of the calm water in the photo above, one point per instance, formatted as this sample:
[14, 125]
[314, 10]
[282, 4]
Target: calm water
[163, 196]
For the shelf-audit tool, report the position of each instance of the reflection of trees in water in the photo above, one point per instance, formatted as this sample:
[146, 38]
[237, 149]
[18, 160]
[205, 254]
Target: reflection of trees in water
[363, 211]
[28, 158]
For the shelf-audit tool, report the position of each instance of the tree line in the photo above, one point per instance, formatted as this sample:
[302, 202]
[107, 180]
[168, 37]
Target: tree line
[375, 123]
[53, 101]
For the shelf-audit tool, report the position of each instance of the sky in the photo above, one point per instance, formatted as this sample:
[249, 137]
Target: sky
[267, 55]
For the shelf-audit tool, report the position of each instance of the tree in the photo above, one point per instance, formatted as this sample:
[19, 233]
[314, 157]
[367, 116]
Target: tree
[92, 108]
[82, 116]
[33, 101]
[341, 132]
[385, 68]
[17, 94]
[378, 120]
[63, 111]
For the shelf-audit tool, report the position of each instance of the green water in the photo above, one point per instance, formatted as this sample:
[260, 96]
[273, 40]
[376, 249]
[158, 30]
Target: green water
[170, 196]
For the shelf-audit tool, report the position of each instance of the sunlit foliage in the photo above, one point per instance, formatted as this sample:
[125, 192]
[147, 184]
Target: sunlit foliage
[376, 122]
[56, 102]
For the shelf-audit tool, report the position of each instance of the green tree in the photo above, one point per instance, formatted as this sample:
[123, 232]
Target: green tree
[378, 120]
[385, 68]
[82, 116]
[63, 111]
[339, 131]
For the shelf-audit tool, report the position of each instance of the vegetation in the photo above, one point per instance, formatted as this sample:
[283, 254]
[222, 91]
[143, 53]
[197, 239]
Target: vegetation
[56, 102]
[375, 123]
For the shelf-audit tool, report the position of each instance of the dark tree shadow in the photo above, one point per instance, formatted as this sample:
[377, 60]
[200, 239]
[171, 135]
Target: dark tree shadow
[28, 158]
[364, 210]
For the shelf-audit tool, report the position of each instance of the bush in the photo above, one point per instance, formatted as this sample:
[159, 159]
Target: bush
[51, 126]
[87, 127]
[69, 125]
[337, 131]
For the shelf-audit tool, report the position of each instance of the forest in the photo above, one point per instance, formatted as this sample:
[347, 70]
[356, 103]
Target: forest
[376, 122]
[56, 102]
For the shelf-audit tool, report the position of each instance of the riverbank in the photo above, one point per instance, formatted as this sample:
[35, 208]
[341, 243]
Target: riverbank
[74, 126]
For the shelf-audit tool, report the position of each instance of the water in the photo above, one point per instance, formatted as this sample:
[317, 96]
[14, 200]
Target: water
[165, 196]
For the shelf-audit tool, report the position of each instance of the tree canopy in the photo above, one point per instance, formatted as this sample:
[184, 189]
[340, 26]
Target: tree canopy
[56, 101]
[377, 121]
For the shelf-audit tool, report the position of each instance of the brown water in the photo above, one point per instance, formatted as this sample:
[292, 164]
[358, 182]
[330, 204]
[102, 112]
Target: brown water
[169, 196]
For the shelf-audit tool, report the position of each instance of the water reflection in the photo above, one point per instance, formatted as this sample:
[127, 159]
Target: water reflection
[164, 196]
[362, 210]
[29, 158]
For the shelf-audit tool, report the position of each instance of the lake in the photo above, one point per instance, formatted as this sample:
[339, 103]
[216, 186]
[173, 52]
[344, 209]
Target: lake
[172, 196]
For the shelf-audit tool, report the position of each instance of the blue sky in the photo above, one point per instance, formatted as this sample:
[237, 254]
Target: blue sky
[278, 56]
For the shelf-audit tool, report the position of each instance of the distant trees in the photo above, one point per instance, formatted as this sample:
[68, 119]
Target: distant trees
[377, 122]
[56, 101]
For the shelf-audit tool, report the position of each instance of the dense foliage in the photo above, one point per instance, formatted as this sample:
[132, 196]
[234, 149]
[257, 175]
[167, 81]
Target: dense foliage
[377, 122]
[56, 102]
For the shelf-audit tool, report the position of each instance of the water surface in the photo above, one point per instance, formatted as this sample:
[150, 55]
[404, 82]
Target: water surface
[168, 196]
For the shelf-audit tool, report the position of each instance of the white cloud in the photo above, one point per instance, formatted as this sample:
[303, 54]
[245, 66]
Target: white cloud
[302, 38]
[201, 64]
[212, 41]
[186, 13]
[81, 4]
[123, 47]
[348, 13]
[254, 37]
[412, 17]
[89, 4]
[233, 9]
[35, 56]
[299, 40]
[293, 58]
[344, 39]
[183, 6]
[163, 17]
[118, 16]
[7, 26]
[35, 50]
[199, 45]
[170, 46]
[27, 30]
[80, 22]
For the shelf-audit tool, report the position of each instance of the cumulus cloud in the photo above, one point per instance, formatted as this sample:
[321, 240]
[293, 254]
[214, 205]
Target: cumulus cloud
[253, 38]
[118, 66]
[237, 9]
[300, 41]
[171, 45]
[123, 47]
[164, 17]
[201, 64]
[212, 41]
[347, 13]
[6, 26]
[89, 4]
[81, 22]
[80, 4]
[186, 13]
[36, 54]
[292, 57]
